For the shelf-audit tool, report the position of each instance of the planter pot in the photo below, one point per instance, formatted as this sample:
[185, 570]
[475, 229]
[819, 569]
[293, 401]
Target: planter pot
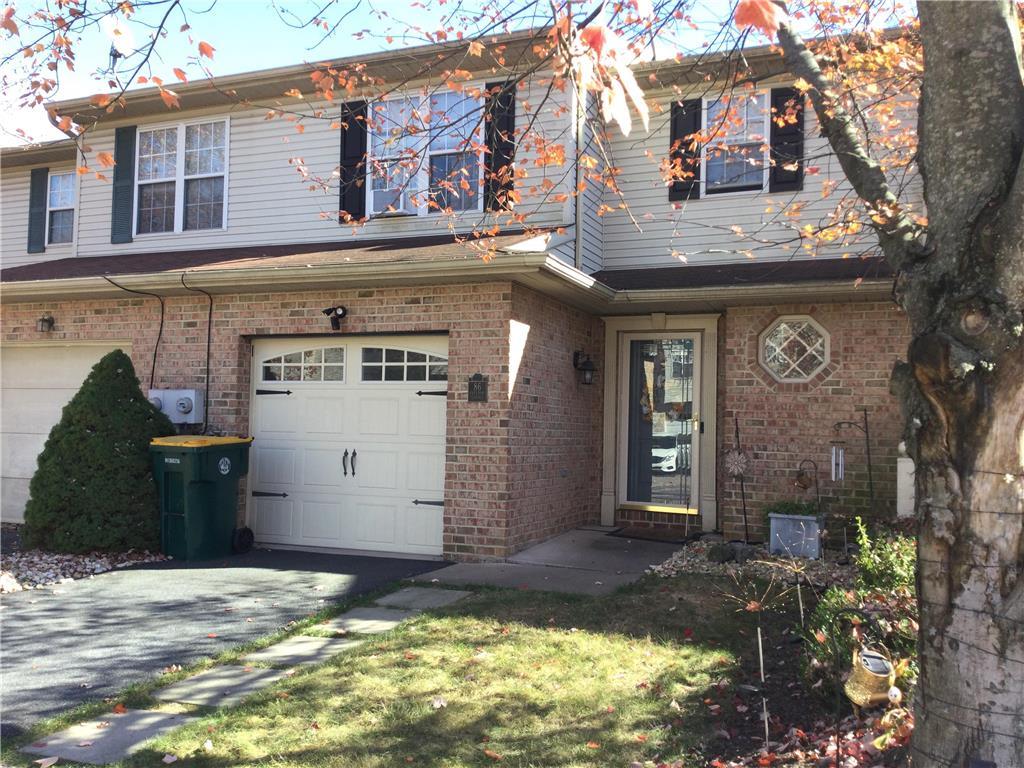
[795, 535]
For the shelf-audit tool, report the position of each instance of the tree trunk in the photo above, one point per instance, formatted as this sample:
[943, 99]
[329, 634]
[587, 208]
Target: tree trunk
[961, 284]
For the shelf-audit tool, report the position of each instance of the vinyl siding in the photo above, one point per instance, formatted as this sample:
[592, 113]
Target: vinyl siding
[14, 200]
[591, 223]
[700, 231]
[268, 201]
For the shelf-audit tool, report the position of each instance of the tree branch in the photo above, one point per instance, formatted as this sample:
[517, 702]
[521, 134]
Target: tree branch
[897, 234]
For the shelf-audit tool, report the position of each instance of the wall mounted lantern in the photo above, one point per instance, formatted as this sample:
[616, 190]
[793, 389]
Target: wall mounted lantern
[45, 323]
[585, 366]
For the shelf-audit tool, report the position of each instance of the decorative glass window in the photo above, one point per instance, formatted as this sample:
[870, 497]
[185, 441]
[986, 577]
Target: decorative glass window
[431, 144]
[321, 364]
[388, 364]
[736, 154]
[60, 208]
[794, 348]
[181, 178]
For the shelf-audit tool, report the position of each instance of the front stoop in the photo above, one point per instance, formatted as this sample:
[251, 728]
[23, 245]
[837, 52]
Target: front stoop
[109, 739]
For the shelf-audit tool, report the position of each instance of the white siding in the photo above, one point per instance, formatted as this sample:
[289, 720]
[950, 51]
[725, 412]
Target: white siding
[591, 224]
[700, 231]
[269, 202]
[14, 193]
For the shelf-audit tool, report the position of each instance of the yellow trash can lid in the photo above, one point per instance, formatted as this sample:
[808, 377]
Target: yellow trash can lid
[198, 441]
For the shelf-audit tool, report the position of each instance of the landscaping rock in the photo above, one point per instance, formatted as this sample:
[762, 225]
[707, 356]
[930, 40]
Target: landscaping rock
[720, 552]
[742, 552]
[35, 569]
[694, 558]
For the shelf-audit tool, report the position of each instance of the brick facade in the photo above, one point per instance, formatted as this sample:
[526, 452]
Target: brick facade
[783, 423]
[497, 494]
[526, 464]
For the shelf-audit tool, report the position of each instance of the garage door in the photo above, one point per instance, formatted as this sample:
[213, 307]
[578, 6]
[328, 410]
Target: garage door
[349, 443]
[37, 382]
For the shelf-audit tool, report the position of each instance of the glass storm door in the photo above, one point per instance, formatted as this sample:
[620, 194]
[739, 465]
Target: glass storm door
[661, 423]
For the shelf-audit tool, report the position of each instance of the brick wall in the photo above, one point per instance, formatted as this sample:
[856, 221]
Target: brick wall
[783, 423]
[479, 483]
[554, 419]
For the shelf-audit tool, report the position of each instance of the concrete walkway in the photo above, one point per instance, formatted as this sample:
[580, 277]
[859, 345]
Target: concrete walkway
[587, 561]
[121, 734]
[88, 639]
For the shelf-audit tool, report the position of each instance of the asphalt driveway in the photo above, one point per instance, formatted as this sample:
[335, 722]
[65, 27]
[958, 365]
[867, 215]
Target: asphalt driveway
[92, 637]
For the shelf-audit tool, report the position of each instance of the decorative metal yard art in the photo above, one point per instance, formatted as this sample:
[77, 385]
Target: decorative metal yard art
[736, 465]
[839, 453]
[805, 479]
[872, 676]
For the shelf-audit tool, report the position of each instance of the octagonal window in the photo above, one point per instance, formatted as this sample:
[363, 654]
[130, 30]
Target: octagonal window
[794, 348]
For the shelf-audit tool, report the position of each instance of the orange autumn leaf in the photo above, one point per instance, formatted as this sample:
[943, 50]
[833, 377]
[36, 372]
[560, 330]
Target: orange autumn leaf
[106, 159]
[205, 49]
[7, 20]
[170, 98]
[762, 14]
[493, 755]
[476, 48]
[120, 708]
[593, 745]
[180, 74]
[595, 37]
[100, 100]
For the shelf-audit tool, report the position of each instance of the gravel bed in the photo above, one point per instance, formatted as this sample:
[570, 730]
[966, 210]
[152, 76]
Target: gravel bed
[834, 568]
[35, 569]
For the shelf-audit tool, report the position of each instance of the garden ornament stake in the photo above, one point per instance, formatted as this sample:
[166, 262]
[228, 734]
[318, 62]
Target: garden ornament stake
[874, 665]
[867, 448]
[805, 479]
[736, 466]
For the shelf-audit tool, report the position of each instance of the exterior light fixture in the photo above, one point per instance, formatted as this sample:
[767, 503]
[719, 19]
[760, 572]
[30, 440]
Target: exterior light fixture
[335, 314]
[45, 323]
[585, 366]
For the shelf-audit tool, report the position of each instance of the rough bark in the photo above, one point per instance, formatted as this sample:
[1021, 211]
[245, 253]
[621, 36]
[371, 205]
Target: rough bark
[961, 283]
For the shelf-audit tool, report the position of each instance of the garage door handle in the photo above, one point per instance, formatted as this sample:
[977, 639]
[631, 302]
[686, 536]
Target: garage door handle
[417, 502]
[344, 463]
[353, 463]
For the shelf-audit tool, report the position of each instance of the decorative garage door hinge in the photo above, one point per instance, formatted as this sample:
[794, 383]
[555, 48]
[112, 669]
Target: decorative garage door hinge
[273, 391]
[263, 494]
[438, 392]
[428, 503]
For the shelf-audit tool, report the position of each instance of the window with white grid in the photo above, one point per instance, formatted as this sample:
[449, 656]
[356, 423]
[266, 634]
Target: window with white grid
[736, 153]
[794, 348]
[60, 208]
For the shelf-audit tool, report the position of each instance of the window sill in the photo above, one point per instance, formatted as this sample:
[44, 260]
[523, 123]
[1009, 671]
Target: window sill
[393, 215]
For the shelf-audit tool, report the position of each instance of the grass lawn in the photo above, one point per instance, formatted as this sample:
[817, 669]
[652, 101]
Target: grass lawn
[511, 678]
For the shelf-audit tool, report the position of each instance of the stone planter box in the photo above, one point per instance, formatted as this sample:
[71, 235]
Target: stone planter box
[795, 536]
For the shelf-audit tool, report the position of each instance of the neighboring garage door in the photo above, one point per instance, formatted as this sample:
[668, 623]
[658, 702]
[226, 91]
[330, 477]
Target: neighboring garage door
[349, 442]
[37, 382]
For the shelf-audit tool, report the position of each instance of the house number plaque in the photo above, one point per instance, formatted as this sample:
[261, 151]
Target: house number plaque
[478, 388]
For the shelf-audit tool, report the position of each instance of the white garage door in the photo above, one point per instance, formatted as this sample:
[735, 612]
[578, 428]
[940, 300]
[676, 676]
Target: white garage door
[37, 382]
[349, 442]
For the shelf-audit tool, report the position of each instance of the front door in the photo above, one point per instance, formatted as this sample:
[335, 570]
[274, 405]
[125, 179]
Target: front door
[660, 423]
[349, 444]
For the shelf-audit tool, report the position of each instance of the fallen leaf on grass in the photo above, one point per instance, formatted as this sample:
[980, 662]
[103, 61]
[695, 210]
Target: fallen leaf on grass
[120, 708]
[641, 737]
[410, 655]
[170, 759]
[211, 634]
[283, 695]
[46, 762]
[314, 726]
[593, 745]
[208, 746]
[438, 702]
[493, 755]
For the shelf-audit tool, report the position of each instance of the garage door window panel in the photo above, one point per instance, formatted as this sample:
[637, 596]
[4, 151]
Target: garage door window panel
[399, 365]
[326, 364]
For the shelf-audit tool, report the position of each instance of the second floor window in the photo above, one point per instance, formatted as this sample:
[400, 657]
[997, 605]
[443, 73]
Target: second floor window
[736, 152]
[425, 154]
[181, 180]
[60, 208]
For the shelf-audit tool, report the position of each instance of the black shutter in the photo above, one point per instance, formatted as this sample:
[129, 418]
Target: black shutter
[123, 198]
[499, 130]
[787, 142]
[352, 194]
[39, 187]
[685, 121]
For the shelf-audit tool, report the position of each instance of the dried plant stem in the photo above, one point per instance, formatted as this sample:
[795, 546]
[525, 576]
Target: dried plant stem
[800, 600]
[764, 700]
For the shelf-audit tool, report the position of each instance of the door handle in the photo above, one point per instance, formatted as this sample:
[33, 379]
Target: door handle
[353, 462]
[344, 463]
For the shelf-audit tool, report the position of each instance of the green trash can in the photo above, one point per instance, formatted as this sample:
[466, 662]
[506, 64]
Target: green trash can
[197, 482]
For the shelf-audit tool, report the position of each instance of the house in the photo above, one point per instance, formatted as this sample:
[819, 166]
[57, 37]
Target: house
[589, 360]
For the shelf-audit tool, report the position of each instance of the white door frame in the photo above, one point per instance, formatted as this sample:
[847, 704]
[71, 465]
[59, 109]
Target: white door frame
[618, 332]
